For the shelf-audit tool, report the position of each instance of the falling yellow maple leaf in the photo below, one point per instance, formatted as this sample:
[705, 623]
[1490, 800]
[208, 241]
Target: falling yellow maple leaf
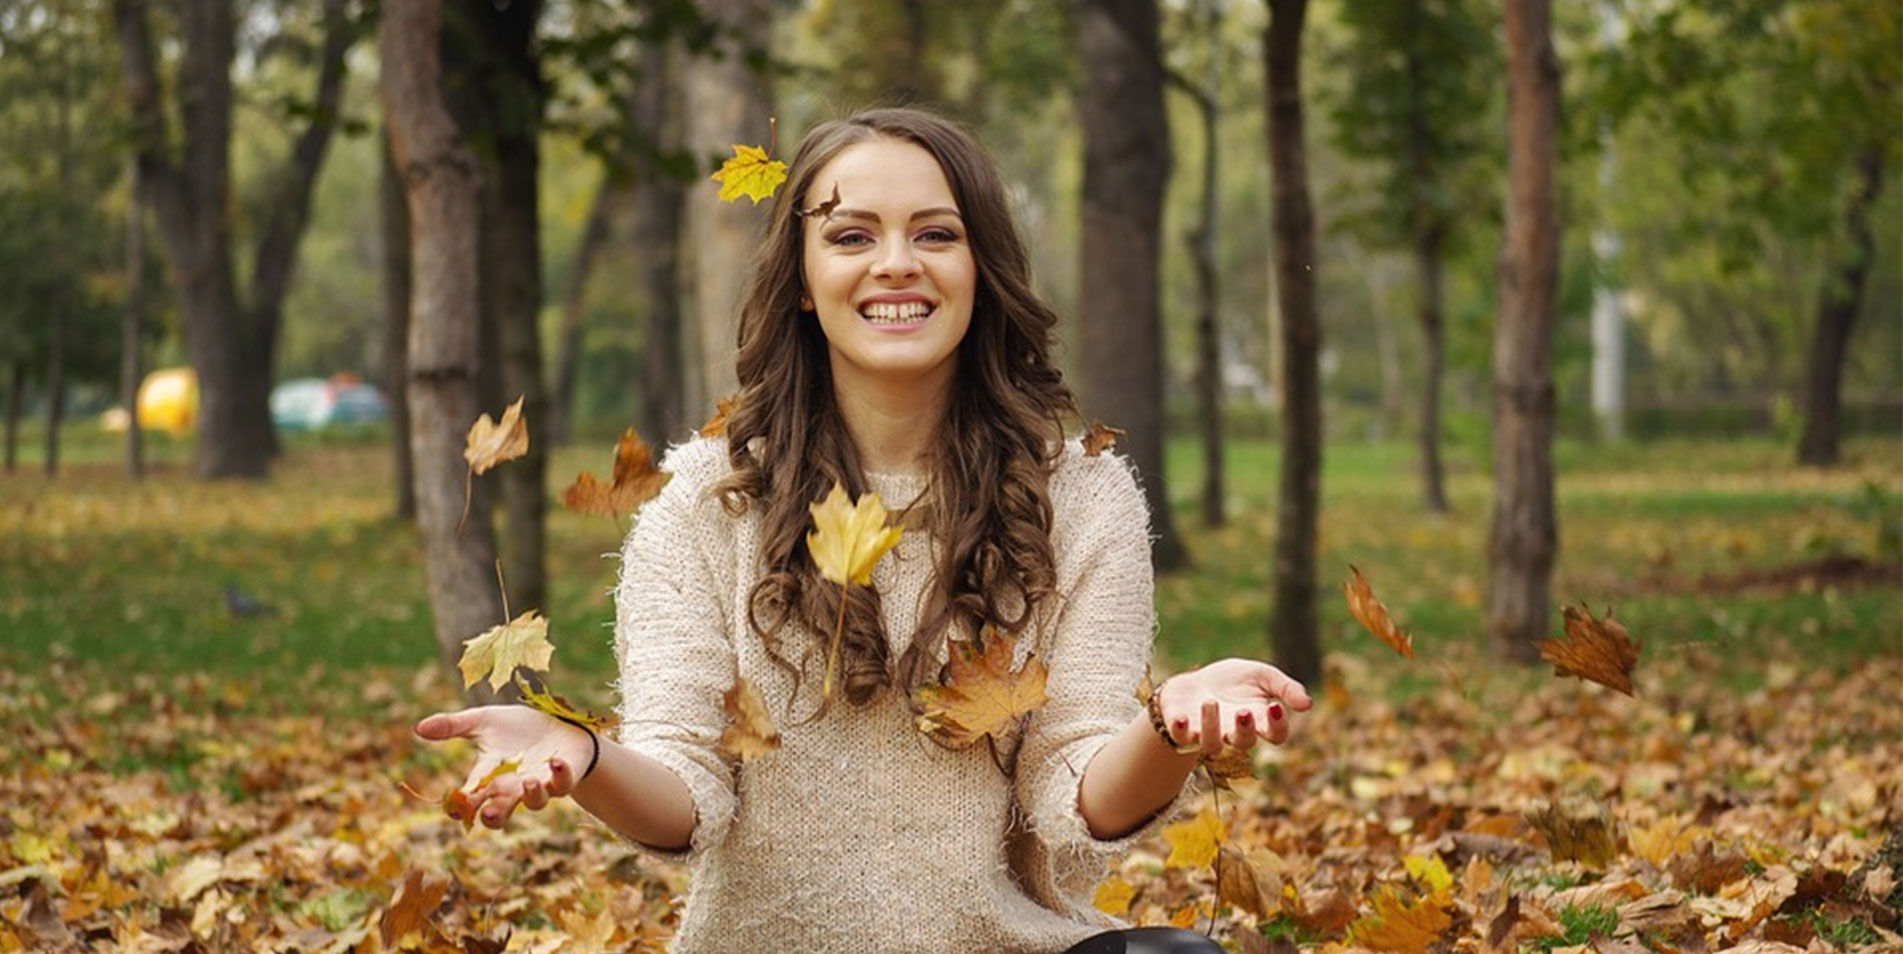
[1193, 843]
[1113, 896]
[749, 173]
[849, 537]
[1373, 614]
[752, 733]
[491, 442]
[636, 480]
[1597, 650]
[554, 706]
[495, 654]
[981, 696]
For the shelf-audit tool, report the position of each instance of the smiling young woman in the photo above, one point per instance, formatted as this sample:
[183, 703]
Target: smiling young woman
[889, 342]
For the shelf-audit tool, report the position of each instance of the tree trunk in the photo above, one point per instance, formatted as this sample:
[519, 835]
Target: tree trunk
[16, 393]
[727, 102]
[658, 203]
[132, 330]
[1525, 534]
[1428, 244]
[1293, 628]
[441, 184]
[1126, 170]
[1202, 252]
[1837, 309]
[396, 330]
[55, 381]
[569, 339]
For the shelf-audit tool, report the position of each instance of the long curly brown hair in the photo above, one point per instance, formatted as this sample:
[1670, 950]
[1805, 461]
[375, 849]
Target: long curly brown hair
[987, 501]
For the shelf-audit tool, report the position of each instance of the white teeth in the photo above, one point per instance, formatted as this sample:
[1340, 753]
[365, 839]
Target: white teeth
[895, 313]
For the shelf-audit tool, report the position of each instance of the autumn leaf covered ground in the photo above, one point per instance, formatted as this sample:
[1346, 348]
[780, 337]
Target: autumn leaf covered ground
[175, 776]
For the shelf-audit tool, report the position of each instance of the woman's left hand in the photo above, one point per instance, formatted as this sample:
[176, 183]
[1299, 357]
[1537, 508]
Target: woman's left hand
[1234, 702]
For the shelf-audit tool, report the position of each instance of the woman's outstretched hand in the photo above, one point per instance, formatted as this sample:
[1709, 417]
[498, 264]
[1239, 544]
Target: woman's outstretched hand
[1234, 702]
[549, 755]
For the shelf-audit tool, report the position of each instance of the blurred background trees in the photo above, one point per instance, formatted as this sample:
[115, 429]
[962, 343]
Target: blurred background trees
[1742, 153]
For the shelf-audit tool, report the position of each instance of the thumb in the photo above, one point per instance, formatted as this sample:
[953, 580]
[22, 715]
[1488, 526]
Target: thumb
[447, 725]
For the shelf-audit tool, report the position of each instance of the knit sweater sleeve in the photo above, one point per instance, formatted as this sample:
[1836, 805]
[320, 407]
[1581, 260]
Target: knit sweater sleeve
[672, 641]
[1098, 650]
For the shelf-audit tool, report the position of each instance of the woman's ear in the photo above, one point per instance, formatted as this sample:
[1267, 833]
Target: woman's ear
[806, 303]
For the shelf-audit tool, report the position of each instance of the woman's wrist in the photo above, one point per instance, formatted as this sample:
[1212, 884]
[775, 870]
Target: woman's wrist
[1154, 705]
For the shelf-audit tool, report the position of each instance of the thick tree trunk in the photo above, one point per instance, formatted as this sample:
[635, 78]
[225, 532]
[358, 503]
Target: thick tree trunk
[396, 330]
[1525, 534]
[1428, 244]
[1126, 169]
[132, 328]
[573, 330]
[1202, 253]
[658, 203]
[1294, 631]
[1837, 308]
[727, 102]
[441, 184]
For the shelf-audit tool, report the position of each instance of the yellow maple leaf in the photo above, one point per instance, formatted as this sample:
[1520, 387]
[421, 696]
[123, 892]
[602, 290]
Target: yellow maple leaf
[1399, 925]
[981, 695]
[1594, 649]
[491, 442]
[848, 537]
[1429, 870]
[495, 654]
[1193, 843]
[749, 173]
[1113, 896]
[547, 703]
[636, 480]
[752, 733]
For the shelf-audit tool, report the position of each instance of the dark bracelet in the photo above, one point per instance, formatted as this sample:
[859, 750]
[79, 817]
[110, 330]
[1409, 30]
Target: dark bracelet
[1162, 728]
[594, 741]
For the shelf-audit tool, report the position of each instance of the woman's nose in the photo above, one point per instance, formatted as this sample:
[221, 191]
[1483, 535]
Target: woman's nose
[895, 261]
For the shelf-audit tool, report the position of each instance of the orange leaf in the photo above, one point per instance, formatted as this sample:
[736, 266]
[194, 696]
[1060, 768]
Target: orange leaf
[749, 173]
[981, 695]
[1399, 925]
[636, 480]
[1597, 650]
[1101, 437]
[411, 908]
[752, 733]
[723, 409]
[1372, 614]
[492, 442]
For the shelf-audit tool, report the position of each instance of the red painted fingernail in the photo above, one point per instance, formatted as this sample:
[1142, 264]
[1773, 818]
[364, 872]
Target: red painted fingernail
[1275, 711]
[1245, 716]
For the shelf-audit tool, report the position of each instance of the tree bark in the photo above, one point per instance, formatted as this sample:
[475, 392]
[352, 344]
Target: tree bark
[16, 393]
[55, 381]
[442, 187]
[574, 326]
[657, 219]
[727, 102]
[1428, 244]
[1126, 170]
[396, 330]
[1525, 534]
[132, 329]
[1294, 630]
[1201, 241]
[1837, 308]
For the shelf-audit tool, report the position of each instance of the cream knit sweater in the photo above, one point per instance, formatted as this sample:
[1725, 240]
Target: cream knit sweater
[858, 833]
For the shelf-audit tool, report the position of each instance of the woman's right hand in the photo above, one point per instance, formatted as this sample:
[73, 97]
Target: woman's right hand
[549, 754]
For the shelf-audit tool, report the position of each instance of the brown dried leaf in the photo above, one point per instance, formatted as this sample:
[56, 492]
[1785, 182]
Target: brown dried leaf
[1597, 650]
[410, 909]
[1228, 765]
[752, 733]
[981, 695]
[1250, 881]
[1324, 912]
[1101, 437]
[1581, 832]
[1372, 614]
[825, 208]
[723, 409]
[636, 480]
[1709, 868]
[492, 442]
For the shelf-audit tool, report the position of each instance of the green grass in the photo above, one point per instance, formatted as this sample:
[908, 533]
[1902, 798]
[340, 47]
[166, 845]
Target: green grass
[111, 587]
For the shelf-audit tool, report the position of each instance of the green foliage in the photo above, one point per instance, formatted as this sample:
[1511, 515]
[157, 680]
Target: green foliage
[1582, 924]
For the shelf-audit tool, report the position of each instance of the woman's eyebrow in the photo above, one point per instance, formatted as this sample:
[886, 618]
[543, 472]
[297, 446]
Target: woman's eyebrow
[870, 216]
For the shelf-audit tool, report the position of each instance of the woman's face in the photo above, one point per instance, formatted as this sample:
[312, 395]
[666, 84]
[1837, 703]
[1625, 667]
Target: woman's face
[890, 270]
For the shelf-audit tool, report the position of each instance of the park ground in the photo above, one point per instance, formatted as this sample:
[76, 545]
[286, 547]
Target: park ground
[178, 777]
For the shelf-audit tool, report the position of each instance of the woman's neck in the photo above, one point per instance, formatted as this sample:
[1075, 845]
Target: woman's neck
[892, 423]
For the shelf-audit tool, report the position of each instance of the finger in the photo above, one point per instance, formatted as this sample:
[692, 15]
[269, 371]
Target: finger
[504, 793]
[448, 725]
[1278, 729]
[534, 795]
[1212, 727]
[1244, 735]
[561, 778]
[1279, 685]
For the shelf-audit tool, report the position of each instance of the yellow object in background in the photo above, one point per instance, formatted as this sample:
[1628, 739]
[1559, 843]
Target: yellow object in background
[168, 401]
